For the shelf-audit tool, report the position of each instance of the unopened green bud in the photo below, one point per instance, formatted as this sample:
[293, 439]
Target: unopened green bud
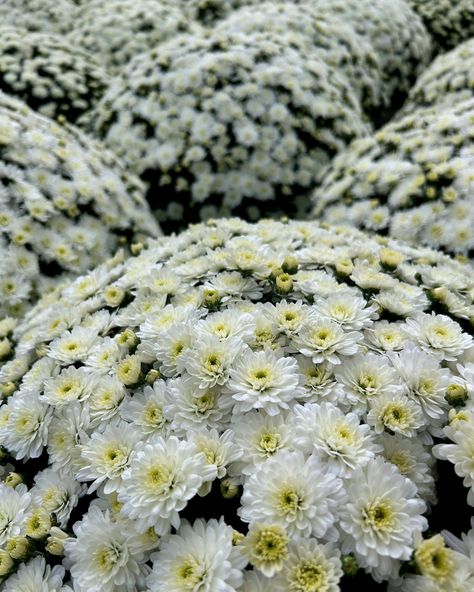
[228, 489]
[456, 394]
[349, 565]
[290, 265]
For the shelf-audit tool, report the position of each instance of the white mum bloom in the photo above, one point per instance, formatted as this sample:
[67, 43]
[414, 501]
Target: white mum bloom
[256, 582]
[348, 310]
[262, 380]
[73, 384]
[228, 323]
[209, 359]
[105, 401]
[337, 439]
[324, 340]
[68, 426]
[397, 413]
[14, 505]
[438, 335]
[106, 455]
[319, 382]
[311, 567]
[266, 546]
[293, 492]
[56, 492]
[385, 336]
[73, 345]
[146, 410]
[36, 576]
[163, 475]
[198, 557]
[425, 380]
[381, 517]
[169, 347]
[365, 377]
[102, 556]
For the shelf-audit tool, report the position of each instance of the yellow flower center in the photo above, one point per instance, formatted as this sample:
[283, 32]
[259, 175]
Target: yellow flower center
[379, 515]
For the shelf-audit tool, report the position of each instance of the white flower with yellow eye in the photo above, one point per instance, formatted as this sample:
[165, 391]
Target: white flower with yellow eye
[339, 440]
[381, 518]
[228, 323]
[262, 380]
[350, 311]
[73, 345]
[36, 575]
[170, 346]
[105, 400]
[396, 413]
[14, 504]
[295, 493]
[68, 426]
[146, 410]
[319, 382]
[384, 336]
[72, 384]
[104, 356]
[57, 492]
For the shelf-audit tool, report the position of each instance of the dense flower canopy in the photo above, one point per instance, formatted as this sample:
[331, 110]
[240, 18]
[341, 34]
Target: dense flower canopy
[301, 368]
[38, 15]
[65, 203]
[449, 21]
[231, 122]
[117, 30]
[52, 76]
[447, 81]
[413, 179]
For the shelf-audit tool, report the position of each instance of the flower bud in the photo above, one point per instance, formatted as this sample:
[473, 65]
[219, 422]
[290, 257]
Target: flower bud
[5, 348]
[114, 295]
[129, 370]
[228, 489]
[152, 376]
[344, 267]
[13, 479]
[349, 565]
[390, 259]
[290, 265]
[17, 547]
[284, 283]
[6, 563]
[456, 394]
[55, 541]
[38, 524]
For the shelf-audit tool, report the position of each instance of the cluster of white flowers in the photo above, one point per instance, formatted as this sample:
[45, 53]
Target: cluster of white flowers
[208, 12]
[449, 21]
[116, 30]
[413, 179]
[38, 15]
[398, 36]
[326, 35]
[52, 76]
[228, 122]
[303, 370]
[448, 81]
[65, 204]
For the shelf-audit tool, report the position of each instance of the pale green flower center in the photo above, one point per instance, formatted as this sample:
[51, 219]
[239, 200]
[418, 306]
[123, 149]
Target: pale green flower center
[271, 544]
[395, 416]
[379, 515]
[269, 442]
[289, 501]
[308, 576]
[189, 574]
[107, 557]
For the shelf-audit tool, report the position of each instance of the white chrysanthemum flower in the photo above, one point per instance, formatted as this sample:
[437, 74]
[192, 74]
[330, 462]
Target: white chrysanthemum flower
[288, 316]
[261, 437]
[366, 377]
[68, 426]
[209, 359]
[26, 430]
[385, 336]
[228, 323]
[105, 401]
[14, 504]
[381, 517]
[36, 576]
[413, 461]
[396, 413]
[198, 557]
[460, 453]
[104, 356]
[425, 380]
[72, 346]
[72, 384]
[146, 410]
[348, 310]
[319, 382]
[189, 408]
[324, 340]
[57, 492]
[262, 380]
[256, 582]
[337, 439]
[311, 567]
[163, 475]
[295, 493]
[102, 556]
[438, 335]
[106, 455]
[266, 547]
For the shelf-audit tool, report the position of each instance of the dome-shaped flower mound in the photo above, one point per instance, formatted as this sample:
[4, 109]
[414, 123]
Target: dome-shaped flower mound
[303, 369]
[64, 203]
[38, 15]
[117, 30]
[447, 81]
[413, 179]
[49, 74]
[208, 12]
[327, 36]
[231, 122]
[450, 22]
[398, 36]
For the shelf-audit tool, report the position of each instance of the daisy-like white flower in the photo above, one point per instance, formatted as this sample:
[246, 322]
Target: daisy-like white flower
[262, 380]
[310, 567]
[288, 316]
[73, 345]
[102, 555]
[68, 426]
[228, 323]
[261, 437]
[296, 493]
[266, 546]
[380, 518]
[56, 492]
[256, 582]
[209, 359]
[105, 400]
[338, 439]
[425, 380]
[397, 413]
[198, 557]
[324, 340]
[73, 384]
[460, 452]
[14, 504]
[146, 410]
[319, 382]
[36, 576]
[170, 346]
[385, 336]
[348, 310]
[366, 377]
[438, 335]
[106, 455]
[162, 476]
[189, 408]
